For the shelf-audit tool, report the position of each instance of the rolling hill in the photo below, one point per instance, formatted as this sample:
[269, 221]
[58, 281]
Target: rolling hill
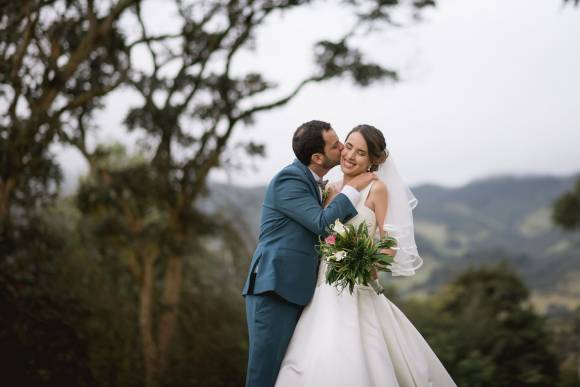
[490, 220]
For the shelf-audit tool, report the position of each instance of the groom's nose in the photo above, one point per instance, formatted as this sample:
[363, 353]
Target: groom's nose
[340, 146]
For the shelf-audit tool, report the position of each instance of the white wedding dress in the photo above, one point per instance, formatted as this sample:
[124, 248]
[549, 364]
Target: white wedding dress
[358, 340]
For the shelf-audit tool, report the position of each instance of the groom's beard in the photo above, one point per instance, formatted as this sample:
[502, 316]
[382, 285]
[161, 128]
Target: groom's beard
[329, 164]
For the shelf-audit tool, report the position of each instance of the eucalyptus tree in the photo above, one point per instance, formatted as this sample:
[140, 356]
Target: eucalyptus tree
[59, 59]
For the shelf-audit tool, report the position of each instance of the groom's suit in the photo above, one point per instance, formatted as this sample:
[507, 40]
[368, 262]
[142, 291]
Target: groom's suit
[284, 267]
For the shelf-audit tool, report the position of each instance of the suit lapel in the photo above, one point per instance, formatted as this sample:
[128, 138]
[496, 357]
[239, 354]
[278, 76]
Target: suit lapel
[310, 178]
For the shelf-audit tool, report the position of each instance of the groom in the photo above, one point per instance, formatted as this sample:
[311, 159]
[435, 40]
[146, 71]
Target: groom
[284, 267]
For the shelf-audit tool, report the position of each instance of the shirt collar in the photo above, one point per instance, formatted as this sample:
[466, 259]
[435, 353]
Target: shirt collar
[316, 177]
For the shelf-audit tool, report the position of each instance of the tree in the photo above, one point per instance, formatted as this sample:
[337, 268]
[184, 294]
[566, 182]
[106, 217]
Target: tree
[567, 341]
[57, 59]
[566, 210]
[190, 115]
[496, 336]
[40, 343]
[144, 209]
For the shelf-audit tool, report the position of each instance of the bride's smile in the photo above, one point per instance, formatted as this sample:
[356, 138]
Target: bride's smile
[355, 157]
[359, 337]
[304, 331]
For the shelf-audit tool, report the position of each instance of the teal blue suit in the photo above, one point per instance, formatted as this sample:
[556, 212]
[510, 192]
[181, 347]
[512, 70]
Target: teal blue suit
[283, 271]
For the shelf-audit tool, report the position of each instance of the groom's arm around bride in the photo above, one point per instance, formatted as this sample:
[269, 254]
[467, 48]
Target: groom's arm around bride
[282, 274]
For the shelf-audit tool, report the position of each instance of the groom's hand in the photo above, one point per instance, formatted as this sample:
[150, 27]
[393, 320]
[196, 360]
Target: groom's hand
[362, 180]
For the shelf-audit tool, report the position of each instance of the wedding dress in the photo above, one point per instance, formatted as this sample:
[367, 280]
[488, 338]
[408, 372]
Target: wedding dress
[358, 340]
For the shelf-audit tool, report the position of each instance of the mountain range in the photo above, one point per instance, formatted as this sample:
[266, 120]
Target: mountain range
[491, 220]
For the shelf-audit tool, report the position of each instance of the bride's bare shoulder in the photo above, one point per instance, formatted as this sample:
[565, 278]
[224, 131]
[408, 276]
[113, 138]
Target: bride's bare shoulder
[378, 188]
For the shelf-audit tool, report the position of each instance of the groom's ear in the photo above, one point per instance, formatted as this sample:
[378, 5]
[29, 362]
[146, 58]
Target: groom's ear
[317, 158]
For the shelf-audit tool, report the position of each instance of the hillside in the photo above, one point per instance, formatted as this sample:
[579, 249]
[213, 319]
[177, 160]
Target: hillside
[486, 221]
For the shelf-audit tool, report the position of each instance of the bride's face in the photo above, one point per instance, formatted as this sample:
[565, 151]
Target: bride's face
[355, 158]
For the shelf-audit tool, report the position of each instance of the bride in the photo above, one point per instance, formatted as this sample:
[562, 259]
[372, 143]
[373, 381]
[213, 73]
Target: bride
[362, 339]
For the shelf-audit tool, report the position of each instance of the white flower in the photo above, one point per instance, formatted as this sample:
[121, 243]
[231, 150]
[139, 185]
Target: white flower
[339, 228]
[340, 255]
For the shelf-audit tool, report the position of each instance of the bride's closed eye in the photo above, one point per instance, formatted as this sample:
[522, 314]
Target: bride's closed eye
[360, 152]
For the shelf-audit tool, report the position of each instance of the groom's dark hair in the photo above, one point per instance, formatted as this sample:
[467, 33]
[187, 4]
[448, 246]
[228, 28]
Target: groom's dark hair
[308, 140]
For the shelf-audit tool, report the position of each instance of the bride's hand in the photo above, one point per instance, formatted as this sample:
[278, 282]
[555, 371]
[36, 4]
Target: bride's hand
[362, 180]
[389, 252]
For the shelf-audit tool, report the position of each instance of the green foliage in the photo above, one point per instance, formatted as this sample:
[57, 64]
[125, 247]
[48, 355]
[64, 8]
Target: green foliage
[338, 58]
[566, 211]
[126, 219]
[499, 219]
[42, 340]
[481, 326]
[69, 309]
[57, 59]
[566, 340]
[211, 347]
[353, 255]
[72, 273]
[487, 333]
[40, 337]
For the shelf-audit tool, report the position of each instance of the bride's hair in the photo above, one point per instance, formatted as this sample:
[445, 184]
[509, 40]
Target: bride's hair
[376, 144]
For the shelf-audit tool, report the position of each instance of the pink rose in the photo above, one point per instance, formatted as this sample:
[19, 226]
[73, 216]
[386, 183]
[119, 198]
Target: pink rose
[331, 239]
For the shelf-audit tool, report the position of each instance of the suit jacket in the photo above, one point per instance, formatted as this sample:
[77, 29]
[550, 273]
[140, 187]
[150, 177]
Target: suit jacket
[292, 220]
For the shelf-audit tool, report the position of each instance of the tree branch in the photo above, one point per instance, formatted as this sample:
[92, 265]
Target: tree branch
[150, 39]
[210, 49]
[18, 56]
[88, 96]
[147, 41]
[80, 142]
[91, 12]
[17, 60]
[210, 161]
[281, 101]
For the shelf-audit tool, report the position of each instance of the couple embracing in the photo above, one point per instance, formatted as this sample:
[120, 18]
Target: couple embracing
[302, 331]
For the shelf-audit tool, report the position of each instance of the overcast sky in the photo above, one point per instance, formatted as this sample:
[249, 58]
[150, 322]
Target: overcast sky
[489, 87]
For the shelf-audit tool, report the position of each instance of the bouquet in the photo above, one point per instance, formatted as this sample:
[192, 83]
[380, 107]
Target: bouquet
[353, 257]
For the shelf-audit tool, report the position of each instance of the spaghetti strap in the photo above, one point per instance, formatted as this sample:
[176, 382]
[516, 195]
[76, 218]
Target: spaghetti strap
[365, 193]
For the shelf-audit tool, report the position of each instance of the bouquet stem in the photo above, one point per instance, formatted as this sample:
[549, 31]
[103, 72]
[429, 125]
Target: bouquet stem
[377, 287]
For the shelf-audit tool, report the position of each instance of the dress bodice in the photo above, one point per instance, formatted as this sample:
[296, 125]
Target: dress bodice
[346, 339]
[365, 214]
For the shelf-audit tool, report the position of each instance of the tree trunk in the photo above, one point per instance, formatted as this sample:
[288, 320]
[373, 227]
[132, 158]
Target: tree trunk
[5, 199]
[150, 352]
[577, 367]
[171, 297]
